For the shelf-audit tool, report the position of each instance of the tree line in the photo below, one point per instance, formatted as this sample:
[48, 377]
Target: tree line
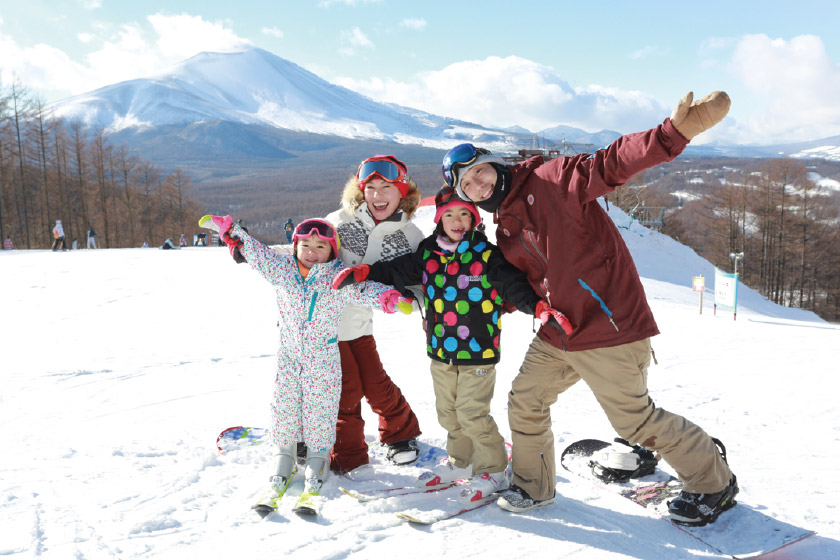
[770, 209]
[55, 170]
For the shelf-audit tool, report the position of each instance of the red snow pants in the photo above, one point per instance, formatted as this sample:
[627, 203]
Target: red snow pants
[362, 375]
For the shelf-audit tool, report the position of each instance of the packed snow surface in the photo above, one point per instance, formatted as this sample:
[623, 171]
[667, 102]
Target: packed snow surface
[120, 368]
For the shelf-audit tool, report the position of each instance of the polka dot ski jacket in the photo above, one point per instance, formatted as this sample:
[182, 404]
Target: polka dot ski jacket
[463, 295]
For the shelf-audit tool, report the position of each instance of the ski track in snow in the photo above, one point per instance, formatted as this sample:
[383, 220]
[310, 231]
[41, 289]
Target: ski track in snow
[120, 368]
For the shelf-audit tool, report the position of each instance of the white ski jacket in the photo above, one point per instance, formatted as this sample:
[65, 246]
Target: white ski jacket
[363, 241]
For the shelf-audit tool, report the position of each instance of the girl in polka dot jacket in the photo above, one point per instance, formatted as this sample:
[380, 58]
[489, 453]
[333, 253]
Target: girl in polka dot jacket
[308, 382]
[465, 280]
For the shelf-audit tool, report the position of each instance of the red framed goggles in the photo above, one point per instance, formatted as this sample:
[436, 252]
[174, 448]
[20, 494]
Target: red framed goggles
[387, 168]
[321, 228]
[446, 195]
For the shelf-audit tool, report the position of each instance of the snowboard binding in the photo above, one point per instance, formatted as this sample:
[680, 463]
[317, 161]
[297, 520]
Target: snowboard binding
[619, 466]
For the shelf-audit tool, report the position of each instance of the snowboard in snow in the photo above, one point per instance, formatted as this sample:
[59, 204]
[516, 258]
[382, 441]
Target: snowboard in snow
[740, 532]
[243, 437]
[240, 437]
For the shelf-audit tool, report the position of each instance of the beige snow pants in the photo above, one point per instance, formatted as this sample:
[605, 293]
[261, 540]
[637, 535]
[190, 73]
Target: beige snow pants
[462, 400]
[618, 378]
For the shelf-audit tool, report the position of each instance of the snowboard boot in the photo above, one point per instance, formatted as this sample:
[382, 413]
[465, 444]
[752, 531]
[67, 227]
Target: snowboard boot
[517, 500]
[403, 452]
[699, 509]
[617, 465]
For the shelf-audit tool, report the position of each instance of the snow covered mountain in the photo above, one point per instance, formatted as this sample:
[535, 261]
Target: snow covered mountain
[257, 88]
[255, 93]
[564, 133]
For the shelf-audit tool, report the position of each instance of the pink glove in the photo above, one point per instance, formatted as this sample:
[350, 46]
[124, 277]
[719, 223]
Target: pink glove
[218, 223]
[546, 313]
[393, 299]
[352, 275]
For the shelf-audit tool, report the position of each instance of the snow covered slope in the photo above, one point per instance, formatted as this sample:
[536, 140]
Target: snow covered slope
[120, 367]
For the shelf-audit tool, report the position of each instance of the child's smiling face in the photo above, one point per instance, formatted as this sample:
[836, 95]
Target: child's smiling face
[456, 221]
[311, 250]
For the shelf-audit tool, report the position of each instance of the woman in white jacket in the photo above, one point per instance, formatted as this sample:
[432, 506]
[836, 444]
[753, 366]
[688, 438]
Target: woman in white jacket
[374, 224]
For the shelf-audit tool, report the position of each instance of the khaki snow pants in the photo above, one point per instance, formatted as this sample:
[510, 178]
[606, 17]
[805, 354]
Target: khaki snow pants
[462, 400]
[618, 378]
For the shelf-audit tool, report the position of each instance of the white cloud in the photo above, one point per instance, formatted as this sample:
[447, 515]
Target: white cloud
[272, 31]
[85, 37]
[414, 23]
[183, 36]
[516, 91]
[40, 67]
[353, 40]
[798, 84]
[134, 50]
[92, 4]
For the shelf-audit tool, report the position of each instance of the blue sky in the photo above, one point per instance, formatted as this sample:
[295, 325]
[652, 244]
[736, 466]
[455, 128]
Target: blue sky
[618, 65]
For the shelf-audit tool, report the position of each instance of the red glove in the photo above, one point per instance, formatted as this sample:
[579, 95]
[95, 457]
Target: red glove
[392, 299]
[234, 245]
[352, 275]
[545, 313]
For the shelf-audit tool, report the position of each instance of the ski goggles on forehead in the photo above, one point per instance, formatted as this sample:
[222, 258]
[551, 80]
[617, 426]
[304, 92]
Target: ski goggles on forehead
[387, 169]
[322, 229]
[462, 154]
[446, 195]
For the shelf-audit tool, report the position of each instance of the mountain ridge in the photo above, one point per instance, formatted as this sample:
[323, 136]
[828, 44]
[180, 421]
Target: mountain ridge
[255, 87]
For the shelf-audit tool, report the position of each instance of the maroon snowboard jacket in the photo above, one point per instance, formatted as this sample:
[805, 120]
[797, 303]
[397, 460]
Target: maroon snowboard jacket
[551, 226]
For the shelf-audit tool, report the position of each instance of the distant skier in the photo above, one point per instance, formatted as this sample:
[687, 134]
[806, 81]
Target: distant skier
[58, 235]
[289, 227]
[91, 238]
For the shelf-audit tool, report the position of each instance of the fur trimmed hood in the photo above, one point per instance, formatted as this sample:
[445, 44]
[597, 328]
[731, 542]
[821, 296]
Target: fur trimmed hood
[352, 196]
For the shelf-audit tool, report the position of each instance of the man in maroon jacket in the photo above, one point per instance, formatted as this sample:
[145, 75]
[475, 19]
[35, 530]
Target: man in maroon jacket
[550, 225]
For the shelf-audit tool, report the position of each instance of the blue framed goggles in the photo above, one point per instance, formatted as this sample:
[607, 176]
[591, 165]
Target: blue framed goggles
[462, 154]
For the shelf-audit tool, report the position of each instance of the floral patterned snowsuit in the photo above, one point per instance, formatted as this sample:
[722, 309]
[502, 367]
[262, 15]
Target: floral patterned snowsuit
[308, 383]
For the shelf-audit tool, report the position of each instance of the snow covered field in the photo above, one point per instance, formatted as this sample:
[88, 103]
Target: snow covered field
[120, 368]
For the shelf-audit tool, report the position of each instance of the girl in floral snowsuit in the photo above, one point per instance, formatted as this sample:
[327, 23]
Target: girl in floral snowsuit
[308, 382]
